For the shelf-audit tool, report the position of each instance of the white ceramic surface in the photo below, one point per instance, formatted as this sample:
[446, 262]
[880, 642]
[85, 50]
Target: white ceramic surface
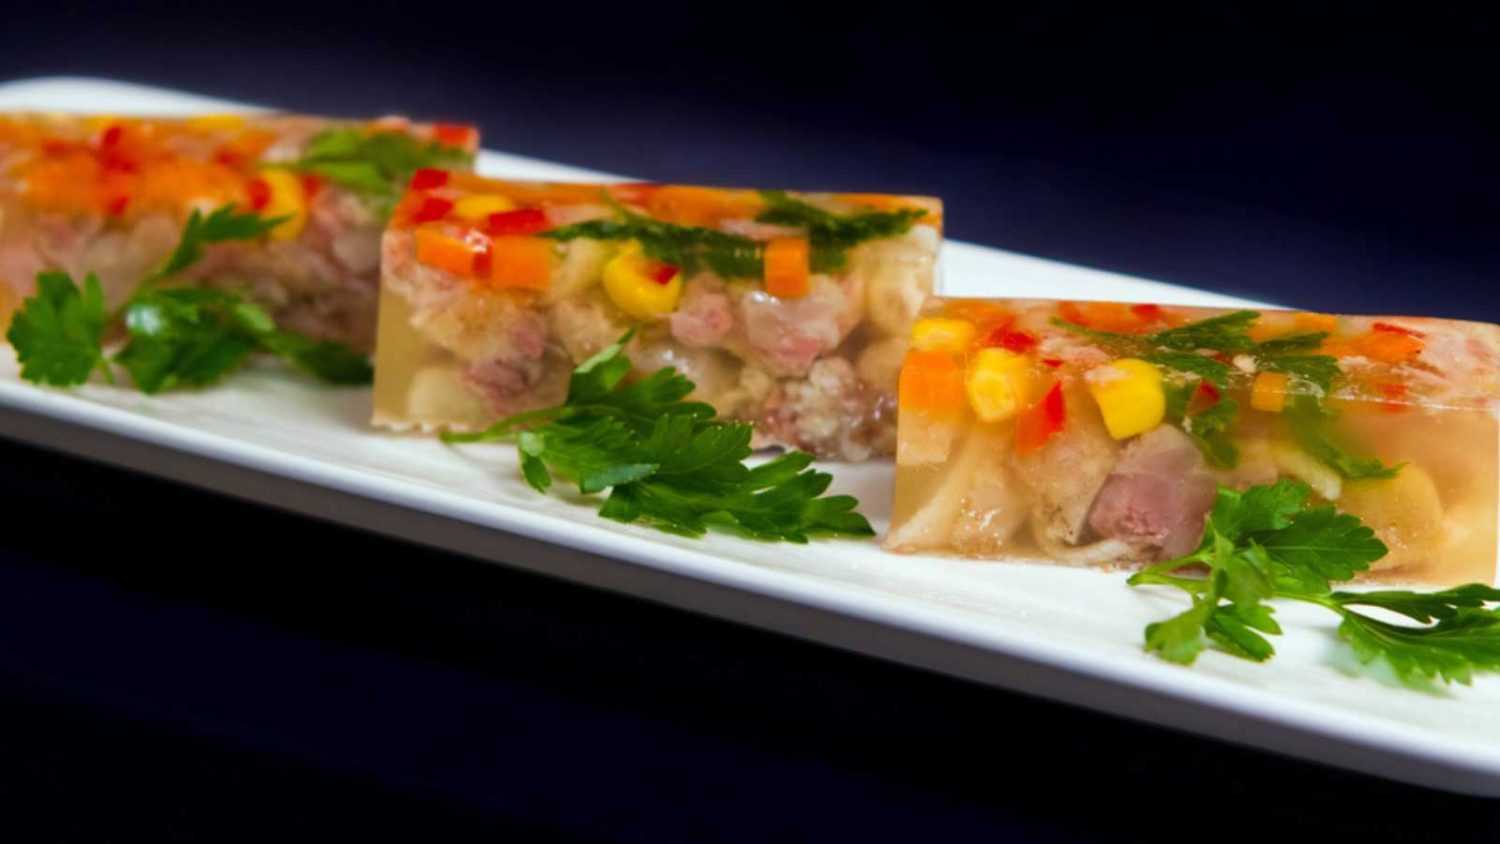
[1066, 634]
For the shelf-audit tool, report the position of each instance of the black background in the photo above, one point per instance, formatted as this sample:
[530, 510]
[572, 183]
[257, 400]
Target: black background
[176, 665]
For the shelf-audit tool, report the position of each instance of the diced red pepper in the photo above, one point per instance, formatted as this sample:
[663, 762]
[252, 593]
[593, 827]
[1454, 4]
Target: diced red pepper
[432, 208]
[428, 178]
[1396, 329]
[519, 221]
[1395, 393]
[1040, 422]
[259, 194]
[111, 136]
[116, 206]
[1148, 313]
[1006, 337]
[232, 159]
[1209, 392]
[453, 134]
[660, 272]
[311, 185]
[484, 260]
[1052, 362]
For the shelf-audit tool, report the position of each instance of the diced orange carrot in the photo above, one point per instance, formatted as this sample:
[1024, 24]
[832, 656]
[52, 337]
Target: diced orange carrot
[443, 251]
[786, 267]
[1389, 347]
[1268, 392]
[694, 206]
[1116, 317]
[1313, 322]
[932, 382]
[518, 261]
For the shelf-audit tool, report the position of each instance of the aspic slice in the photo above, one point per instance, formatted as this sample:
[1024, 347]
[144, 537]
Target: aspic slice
[109, 195]
[1109, 427]
[787, 310]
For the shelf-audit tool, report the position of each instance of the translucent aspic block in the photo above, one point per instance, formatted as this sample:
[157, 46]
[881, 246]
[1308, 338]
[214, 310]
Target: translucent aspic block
[787, 310]
[1098, 433]
[110, 195]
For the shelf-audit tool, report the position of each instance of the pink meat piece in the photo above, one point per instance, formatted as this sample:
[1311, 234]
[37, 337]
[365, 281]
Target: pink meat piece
[787, 335]
[19, 264]
[704, 318]
[1158, 494]
[507, 378]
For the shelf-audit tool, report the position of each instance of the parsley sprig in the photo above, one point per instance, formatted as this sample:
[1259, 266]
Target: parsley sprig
[1268, 542]
[176, 337]
[668, 462]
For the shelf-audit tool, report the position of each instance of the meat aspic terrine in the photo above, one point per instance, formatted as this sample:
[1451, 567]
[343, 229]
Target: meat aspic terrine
[109, 195]
[788, 310]
[1099, 433]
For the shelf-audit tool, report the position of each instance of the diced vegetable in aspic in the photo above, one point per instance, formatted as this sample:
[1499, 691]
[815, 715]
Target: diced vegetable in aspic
[1097, 433]
[789, 311]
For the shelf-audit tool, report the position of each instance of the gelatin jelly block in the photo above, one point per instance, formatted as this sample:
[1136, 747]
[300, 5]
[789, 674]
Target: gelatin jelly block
[110, 195]
[790, 311]
[1098, 433]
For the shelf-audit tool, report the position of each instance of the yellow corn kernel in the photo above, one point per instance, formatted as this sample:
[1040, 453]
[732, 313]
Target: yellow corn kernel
[1268, 393]
[998, 383]
[1130, 396]
[938, 334]
[631, 287]
[216, 122]
[286, 200]
[478, 208]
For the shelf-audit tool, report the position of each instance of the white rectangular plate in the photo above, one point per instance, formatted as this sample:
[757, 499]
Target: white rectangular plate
[1067, 634]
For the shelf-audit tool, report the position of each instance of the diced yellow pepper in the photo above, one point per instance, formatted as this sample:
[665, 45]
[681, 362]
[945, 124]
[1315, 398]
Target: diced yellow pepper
[286, 200]
[998, 383]
[478, 208]
[1268, 393]
[628, 281]
[937, 334]
[1130, 396]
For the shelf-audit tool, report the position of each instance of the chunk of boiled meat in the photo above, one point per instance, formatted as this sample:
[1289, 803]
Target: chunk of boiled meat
[705, 316]
[785, 336]
[1067, 473]
[1158, 494]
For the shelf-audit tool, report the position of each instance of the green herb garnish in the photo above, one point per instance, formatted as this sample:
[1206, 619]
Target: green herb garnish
[1181, 350]
[691, 248]
[221, 225]
[375, 164]
[830, 235]
[1268, 543]
[1209, 428]
[667, 462]
[733, 256]
[185, 337]
[58, 333]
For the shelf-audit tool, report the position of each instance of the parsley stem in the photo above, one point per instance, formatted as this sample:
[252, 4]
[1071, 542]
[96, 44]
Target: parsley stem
[1161, 575]
[505, 427]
